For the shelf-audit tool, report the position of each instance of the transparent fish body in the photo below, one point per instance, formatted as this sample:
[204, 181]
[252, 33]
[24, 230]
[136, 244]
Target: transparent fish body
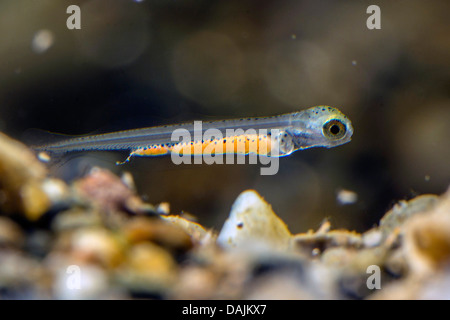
[320, 126]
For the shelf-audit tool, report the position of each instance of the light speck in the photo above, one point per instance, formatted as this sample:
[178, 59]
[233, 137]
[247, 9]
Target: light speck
[293, 36]
[163, 208]
[354, 63]
[344, 197]
[44, 156]
[42, 41]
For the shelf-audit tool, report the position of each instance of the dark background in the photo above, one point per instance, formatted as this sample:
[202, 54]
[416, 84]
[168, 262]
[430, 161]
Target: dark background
[143, 63]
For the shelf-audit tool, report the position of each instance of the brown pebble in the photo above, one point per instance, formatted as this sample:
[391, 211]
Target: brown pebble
[148, 267]
[10, 233]
[97, 246]
[21, 178]
[108, 192]
[140, 229]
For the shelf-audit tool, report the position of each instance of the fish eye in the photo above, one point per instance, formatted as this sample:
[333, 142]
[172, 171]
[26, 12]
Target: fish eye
[334, 129]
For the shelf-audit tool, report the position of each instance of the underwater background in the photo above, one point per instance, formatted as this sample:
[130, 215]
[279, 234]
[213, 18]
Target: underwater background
[143, 63]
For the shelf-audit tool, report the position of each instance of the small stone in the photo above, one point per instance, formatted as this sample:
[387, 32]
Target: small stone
[427, 238]
[372, 238]
[76, 218]
[148, 268]
[22, 277]
[21, 177]
[56, 191]
[307, 242]
[280, 286]
[196, 283]
[10, 233]
[81, 282]
[127, 179]
[163, 208]
[95, 245]
[164, 233]
[403, 210]
[108, 192]
[193, 229]
[253, 223]
[34, 200]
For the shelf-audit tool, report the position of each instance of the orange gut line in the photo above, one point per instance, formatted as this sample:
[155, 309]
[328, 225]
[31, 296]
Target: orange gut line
[244, 144]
